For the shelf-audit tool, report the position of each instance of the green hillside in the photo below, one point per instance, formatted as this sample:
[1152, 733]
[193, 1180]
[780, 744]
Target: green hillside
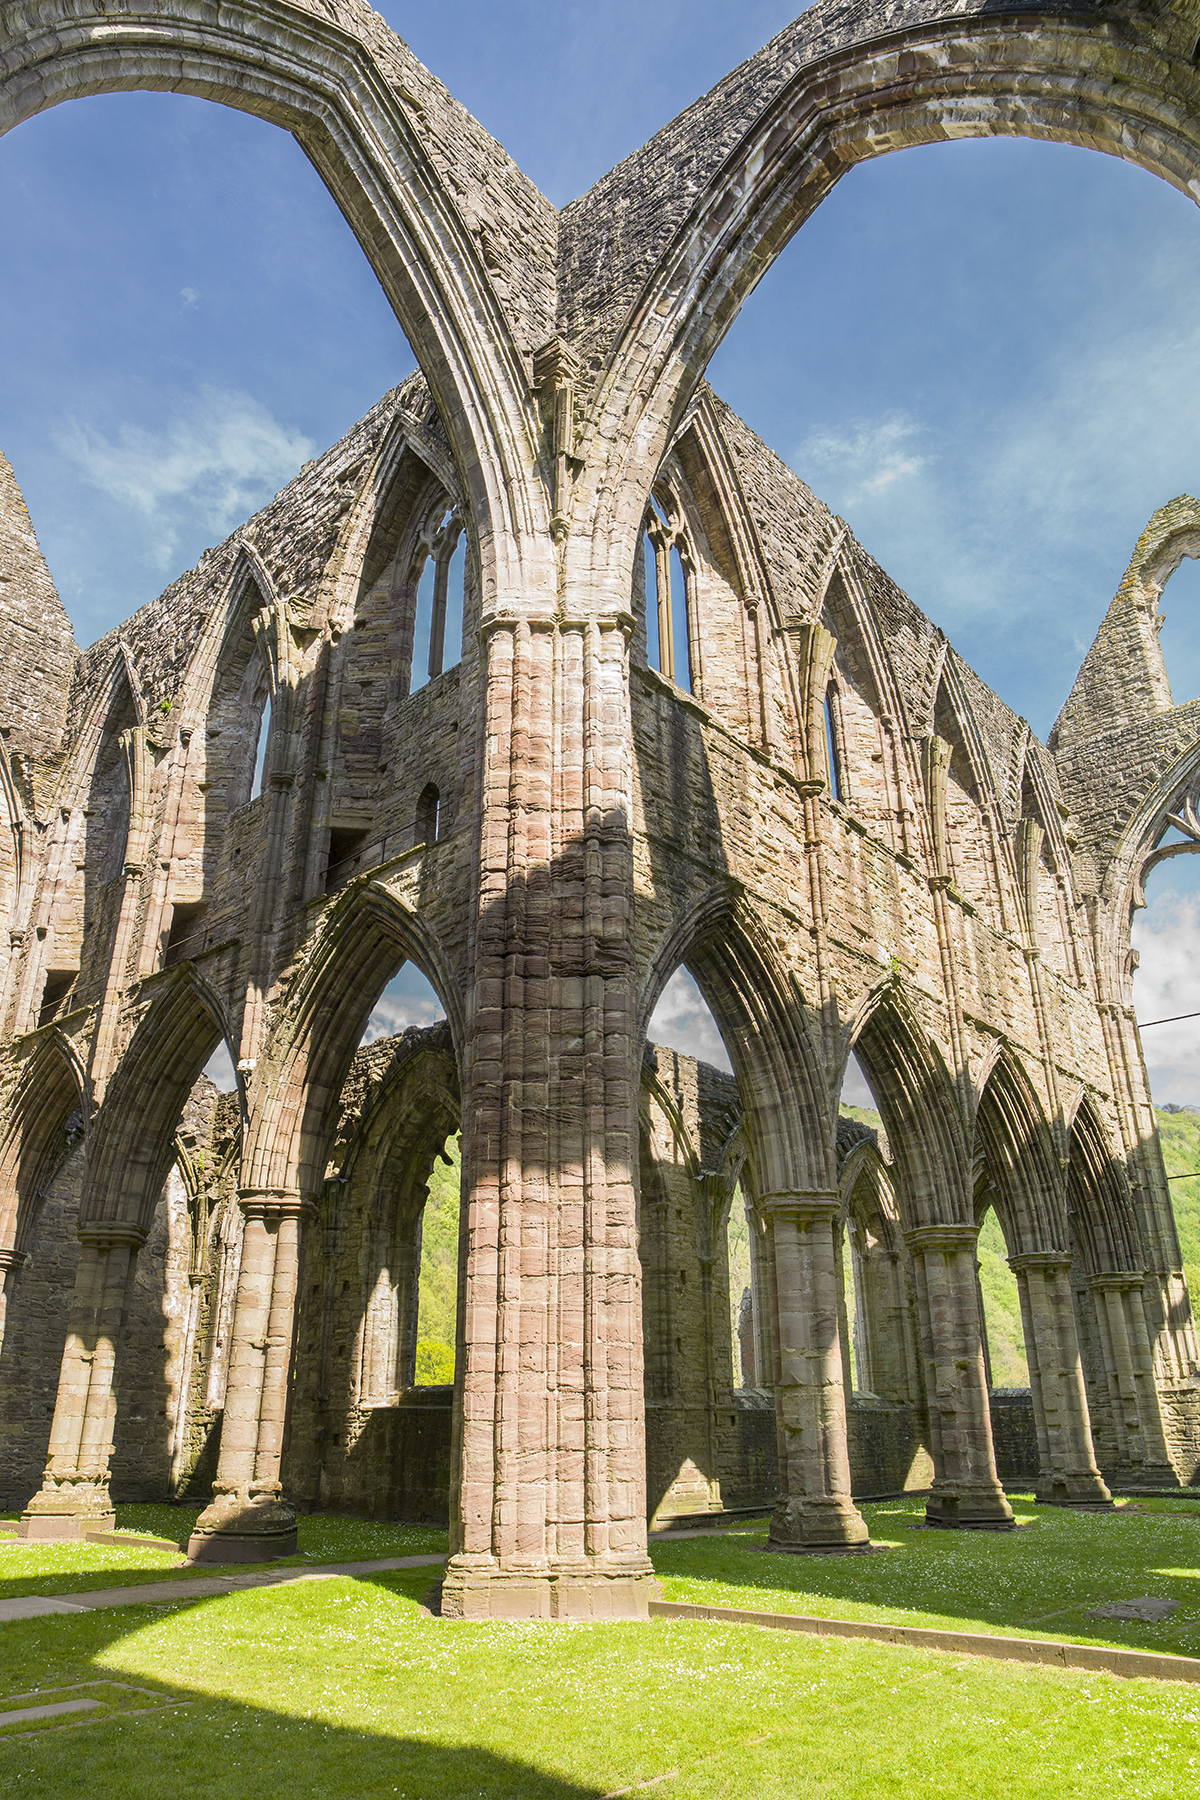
[439, 1272]
[1179, 1135]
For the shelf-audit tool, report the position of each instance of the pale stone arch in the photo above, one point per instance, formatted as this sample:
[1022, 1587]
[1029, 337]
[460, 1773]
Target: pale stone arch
[1022, 1158]
[770, 1035]
[132, 1143]
[363, 940]
[1103, 1220]
[765, 147]
[918, 1102]
[365, 113]
[50, 1090]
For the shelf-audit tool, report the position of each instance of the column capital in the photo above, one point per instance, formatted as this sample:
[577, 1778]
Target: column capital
[276, 1203]
[12, 1259]
[1040, 1259]
[941, 1237]
[110, 1234]
[806, 1205]
[1118, 1279]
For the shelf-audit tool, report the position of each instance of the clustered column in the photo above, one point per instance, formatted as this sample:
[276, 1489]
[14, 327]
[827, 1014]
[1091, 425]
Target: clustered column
[1142, 1455]
[1069, 1475]
[815, 1509]
[248, 1520]
[966, 1490]
[74, 1498]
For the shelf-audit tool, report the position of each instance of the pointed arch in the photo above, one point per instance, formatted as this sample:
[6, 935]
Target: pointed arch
[371, 120]
[769, 1034]
[50, 1093]
[1100, 1206]
[918, 1104]
[132, 1143]
[362, 941]
[1021, 1158]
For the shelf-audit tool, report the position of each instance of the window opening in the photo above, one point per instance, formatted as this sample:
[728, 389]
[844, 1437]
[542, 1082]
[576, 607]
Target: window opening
[1001, 1308]
[408, 999]
[437, 630]
[187, 935]
[260, 758]
[741, 1294]
[346, 845]
[650, 560]
[58, 985]
[831, 748]
[437, 1287]
[680, 635]
[682, 1021]
[429, 816]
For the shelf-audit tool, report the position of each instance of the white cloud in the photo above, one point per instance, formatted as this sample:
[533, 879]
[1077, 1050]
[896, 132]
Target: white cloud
[1167, 984]
[220, 457]
[190, 297]
[683, 1022]
[219, 1069]
[864, 458]
[393, 1014]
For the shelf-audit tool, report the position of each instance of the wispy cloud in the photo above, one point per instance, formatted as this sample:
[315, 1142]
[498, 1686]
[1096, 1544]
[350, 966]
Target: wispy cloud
[219, 457]
[682, 1021]
[1167, 938]
[393, 1015]
[865, 458]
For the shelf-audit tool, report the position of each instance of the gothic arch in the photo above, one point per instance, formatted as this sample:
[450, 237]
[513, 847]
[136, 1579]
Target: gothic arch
[359, 104]
[364, 938]
[50, 1089]
[1021, 1158]
[132, 1144]
[839, 95]
[762, 1020]
[919, 1106]
[1100, 1207]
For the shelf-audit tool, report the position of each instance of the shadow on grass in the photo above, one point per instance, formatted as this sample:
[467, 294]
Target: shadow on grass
[199, 1741]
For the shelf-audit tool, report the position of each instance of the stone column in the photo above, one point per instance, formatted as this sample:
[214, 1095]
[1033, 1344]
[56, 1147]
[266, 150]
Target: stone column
[815, 1510]
[11, 1264]
[966, 1490]
[549, 1515]
[1143, 1460]
[248, 1520]
[1067, 1459]
[74, 1498]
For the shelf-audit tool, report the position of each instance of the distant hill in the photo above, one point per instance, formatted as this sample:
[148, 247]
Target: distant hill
[1179, 1135]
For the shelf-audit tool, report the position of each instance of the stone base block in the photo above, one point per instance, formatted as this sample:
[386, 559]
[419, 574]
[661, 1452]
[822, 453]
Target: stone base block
[1081, 1489]
[234, 1530]
[802, 1524]
[983, 1508]
[475, 1592]
[64, 1527]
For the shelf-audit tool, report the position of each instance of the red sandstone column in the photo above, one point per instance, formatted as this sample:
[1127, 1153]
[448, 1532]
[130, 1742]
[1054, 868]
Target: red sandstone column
[74, 1497]
[966, 1490]
[248, 1520]
[815, 1510]
[1068, 1476]
[549, 1517]
[1143, 1459]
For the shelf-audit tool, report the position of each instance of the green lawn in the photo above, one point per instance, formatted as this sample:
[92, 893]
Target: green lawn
[1035, 1583]
[345, 1689]
[70, 1568]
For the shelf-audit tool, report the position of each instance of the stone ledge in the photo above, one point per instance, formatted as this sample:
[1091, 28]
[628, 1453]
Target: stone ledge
[1113, 1661]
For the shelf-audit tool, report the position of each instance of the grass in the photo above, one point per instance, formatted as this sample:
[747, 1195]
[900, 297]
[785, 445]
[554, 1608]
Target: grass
[346, 1689]
[73, 1568]
[1035, 1583]
[1179, 1135]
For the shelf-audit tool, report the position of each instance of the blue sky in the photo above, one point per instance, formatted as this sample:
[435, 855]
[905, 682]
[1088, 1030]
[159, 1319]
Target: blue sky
[986, 356]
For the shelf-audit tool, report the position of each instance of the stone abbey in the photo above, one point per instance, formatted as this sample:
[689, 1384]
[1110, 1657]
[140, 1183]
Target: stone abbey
[693, 724]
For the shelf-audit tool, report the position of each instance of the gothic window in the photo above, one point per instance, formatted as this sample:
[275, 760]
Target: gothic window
[437, 633]
[262, 748]
[833, 742]
[669, 596]
[429, 815]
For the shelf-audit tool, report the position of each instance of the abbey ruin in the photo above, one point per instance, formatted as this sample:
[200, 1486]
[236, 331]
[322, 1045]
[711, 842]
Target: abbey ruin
[693, 724]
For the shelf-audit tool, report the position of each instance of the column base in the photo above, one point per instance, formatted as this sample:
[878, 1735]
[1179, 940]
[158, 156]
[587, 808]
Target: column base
[818, 1525]
[477, 1588]
[237, 1529]
[1144, 1478]
[1083, 1489]
[67, 1513]
[983, 1508]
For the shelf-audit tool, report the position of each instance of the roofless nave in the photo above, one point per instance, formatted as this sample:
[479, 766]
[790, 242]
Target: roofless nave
[847, 839]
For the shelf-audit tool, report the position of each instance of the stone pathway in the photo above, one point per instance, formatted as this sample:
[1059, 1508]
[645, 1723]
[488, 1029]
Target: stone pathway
[33, 1606]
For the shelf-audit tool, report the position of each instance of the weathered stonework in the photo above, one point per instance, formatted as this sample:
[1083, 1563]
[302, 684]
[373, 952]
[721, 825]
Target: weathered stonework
[811, 802]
